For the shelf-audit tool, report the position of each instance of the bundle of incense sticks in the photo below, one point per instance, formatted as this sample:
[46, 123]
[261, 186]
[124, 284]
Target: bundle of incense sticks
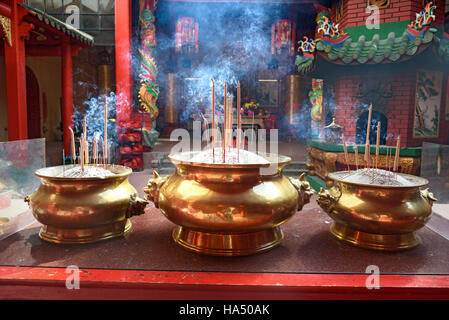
[213, 119]
[346, 152]
[367, 144]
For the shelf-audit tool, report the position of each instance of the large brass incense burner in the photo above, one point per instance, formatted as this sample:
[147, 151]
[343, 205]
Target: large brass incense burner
[376, 216]
[227, 209]
[83, 210]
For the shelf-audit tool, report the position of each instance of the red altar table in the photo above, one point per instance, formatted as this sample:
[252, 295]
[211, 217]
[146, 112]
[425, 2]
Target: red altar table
[147, 264]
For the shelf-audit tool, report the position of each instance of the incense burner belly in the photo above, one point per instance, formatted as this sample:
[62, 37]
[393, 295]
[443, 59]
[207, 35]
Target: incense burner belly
[227, 210]
[377, 217]
[84, 210]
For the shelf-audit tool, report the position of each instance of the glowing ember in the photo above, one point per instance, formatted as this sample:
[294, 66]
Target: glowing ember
[376, 177]
[232, 157]
[88, 172]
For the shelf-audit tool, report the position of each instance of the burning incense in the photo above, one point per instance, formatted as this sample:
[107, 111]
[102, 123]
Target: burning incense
[86, 155]
[224, 119]
[238, 118]
[231, 112]
[94, 151]
[396, 154]
[105, 144]
[253, 133]
[63, 162]
[377, 143]
[73, 146]
[346, 152]
[82, 153]
[367, 144]
[213, 119]
[86, 151]
[356, 155]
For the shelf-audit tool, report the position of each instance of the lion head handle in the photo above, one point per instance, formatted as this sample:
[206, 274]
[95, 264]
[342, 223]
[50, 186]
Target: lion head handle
[327, 199]
[154, 186]
[304, 190]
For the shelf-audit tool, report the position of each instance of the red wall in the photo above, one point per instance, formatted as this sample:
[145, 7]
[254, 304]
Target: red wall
[400, 106]
[354, 12]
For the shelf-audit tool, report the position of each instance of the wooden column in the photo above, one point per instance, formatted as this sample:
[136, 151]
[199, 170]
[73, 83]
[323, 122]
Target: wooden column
[16, 74]
[123, 59]
[67, 93]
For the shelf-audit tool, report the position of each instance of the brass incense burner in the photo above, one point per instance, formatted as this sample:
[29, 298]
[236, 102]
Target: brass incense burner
[376, 216]
[84, 210]
[227, 209]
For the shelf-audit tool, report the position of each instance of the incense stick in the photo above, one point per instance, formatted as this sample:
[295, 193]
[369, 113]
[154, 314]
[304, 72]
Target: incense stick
[367, 143]
[105, 145]
[213, 119]
[346, 152]
[63, 162]
[238, 119]
[94, 151]
[225, 110]
[356, 155]
[377, 143]
[73, 146]
[396, 155]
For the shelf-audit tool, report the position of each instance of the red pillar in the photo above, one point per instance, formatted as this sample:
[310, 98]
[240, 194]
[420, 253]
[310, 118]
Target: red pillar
[123, 59]
[16, 75]
[67, 93]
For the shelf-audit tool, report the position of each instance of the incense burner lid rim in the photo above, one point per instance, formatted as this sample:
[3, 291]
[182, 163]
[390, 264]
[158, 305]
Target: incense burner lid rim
[283, 161]
[43, 173]
[422, 181]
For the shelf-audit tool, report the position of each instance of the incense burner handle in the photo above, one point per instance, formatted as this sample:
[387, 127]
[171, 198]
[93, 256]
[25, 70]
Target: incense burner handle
[428, 196]
[303, 188]
[154, 186]
[136, 206]
[327, 199]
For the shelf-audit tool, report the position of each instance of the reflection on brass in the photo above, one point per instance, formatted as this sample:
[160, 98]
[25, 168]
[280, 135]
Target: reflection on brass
[83, 210]
[377, 217]
[228, 210]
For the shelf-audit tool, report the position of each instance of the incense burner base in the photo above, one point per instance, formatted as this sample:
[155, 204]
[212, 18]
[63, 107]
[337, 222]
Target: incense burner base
[385, 242]
[88, 235]
[232, 244]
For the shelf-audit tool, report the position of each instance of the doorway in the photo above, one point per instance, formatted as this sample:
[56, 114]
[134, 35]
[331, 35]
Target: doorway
[33, 105]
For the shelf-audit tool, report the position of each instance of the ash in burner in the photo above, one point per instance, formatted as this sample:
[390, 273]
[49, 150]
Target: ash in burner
[231, 157]
[88, 172]
[376, 177]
